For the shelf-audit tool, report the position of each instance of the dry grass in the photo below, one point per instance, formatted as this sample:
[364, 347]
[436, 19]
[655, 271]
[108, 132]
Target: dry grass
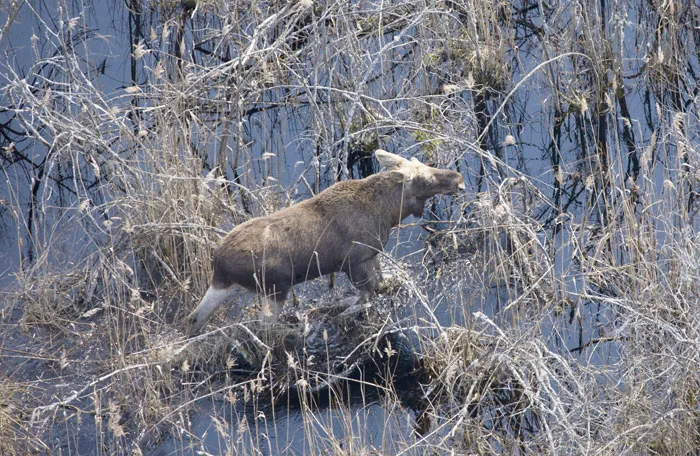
[556, 307]
[15, 436]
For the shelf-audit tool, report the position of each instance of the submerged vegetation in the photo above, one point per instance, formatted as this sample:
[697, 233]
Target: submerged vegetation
[553, 309]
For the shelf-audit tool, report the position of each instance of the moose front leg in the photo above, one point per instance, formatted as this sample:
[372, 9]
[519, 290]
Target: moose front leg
[367, 277]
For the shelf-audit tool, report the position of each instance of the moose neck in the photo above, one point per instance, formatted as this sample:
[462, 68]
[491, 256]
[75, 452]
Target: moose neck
[396, 203]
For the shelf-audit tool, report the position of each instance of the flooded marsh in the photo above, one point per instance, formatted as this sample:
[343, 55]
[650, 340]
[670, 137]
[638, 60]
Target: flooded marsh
[552, 308]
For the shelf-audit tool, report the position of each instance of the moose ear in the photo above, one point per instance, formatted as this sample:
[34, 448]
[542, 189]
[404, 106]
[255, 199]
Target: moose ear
[388, 160]
[397, 176]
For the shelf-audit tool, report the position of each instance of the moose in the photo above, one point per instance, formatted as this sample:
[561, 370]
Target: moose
[343, 228]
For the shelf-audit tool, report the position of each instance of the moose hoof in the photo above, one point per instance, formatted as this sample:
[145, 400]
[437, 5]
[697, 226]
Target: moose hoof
[190, 325]
[389, 285]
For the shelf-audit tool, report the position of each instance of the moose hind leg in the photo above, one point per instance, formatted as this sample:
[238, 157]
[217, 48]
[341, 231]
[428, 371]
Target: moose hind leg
[271, 304]
[212, 299]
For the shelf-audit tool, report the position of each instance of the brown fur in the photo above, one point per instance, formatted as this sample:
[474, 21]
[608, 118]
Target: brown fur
[341, 229]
